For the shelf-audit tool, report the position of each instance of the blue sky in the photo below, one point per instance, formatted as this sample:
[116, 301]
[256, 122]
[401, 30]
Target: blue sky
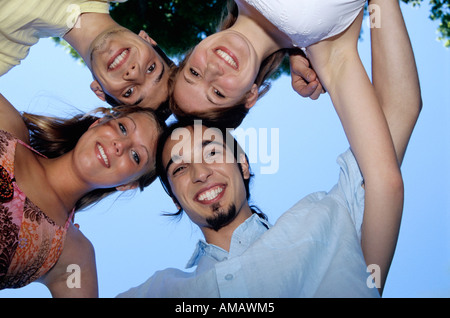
[132, 239]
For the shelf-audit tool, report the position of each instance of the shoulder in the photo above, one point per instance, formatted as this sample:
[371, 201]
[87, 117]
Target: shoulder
[172, 282]
[75, 265]
[77, 249]
[77, 245]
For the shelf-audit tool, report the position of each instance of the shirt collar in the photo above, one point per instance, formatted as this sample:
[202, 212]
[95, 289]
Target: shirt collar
[244, 235]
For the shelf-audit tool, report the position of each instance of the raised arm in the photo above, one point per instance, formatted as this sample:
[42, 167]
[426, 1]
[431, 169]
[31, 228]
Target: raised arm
[394, 72]
[394, 75]
[11, 120]
[340, 70]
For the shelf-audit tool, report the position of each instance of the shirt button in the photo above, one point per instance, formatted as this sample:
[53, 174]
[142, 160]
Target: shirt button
[229, 277]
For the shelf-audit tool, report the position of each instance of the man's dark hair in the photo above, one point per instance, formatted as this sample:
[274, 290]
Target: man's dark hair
[234, 147]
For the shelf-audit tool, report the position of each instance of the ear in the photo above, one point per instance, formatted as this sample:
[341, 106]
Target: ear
[142, 34]
[95, 123]
[244, 166]
[252, 96]
[98, 90]
[128, 186]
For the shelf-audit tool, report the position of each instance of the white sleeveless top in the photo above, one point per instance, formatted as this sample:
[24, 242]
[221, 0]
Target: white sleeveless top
[309, 21]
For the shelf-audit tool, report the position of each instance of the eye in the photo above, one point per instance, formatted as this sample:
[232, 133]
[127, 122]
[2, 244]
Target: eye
[193, 72]
[151, 68]
[218, 93]
[212, 155]
[178, 170]
[135, 156]
[129, 92]
[123, 129]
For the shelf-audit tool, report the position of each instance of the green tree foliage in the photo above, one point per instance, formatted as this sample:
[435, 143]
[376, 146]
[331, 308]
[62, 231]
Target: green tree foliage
[176, 25]
[440, 11]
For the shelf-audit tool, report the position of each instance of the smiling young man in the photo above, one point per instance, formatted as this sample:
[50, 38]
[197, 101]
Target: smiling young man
[209, 179]
[316, 242]
[128, 68]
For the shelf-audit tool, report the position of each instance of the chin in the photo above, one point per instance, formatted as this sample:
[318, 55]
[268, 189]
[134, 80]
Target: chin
[222, 217]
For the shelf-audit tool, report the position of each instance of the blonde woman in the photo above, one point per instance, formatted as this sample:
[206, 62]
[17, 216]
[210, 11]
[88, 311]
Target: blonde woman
[50, 168]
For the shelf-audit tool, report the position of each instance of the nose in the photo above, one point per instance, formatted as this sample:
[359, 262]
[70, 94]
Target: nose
[213, 69]
[121, 145]
[200, 172]
[132, 72]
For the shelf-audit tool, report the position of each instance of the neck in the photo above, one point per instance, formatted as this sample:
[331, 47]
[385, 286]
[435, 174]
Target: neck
[88, 27]
[63, 181]
[262, 34]
[222, 237]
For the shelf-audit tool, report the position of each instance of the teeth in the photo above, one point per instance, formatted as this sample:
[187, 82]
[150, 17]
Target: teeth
[227, 58]
[103, 154]
[210, 195]
[118, 59]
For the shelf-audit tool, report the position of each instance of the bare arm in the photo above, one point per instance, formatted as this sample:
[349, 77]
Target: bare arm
[11, 120]
[75, 273]
[394, 75]
[394, 72]
[340, 69]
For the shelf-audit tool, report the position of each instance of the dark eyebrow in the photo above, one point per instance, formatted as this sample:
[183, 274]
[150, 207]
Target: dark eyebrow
[168, 165]
[148, 154]
[204, 144]
[208, 142]
[158, 79]
[138, 101]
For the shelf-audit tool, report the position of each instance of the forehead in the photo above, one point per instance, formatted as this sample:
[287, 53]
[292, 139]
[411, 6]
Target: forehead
[191, 97]
[193, 136]
[183, 142]
[145, 127]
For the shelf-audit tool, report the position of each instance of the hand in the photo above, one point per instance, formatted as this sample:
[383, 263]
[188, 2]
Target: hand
[304, 80]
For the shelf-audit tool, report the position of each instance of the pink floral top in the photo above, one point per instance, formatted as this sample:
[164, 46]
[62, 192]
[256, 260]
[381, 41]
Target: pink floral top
[30, 242]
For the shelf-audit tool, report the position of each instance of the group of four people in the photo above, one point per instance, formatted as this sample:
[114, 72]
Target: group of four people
[321, 247]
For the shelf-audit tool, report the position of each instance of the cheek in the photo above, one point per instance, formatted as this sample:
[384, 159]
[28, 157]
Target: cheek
[127, 172]
[180, 191]
[85, 160]
[237, 86]
[180, 96]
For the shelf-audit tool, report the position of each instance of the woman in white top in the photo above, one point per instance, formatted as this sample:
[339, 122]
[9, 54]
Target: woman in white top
[227, 69]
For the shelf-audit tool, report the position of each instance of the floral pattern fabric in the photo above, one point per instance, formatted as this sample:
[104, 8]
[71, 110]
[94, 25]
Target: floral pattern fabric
[30, 242]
